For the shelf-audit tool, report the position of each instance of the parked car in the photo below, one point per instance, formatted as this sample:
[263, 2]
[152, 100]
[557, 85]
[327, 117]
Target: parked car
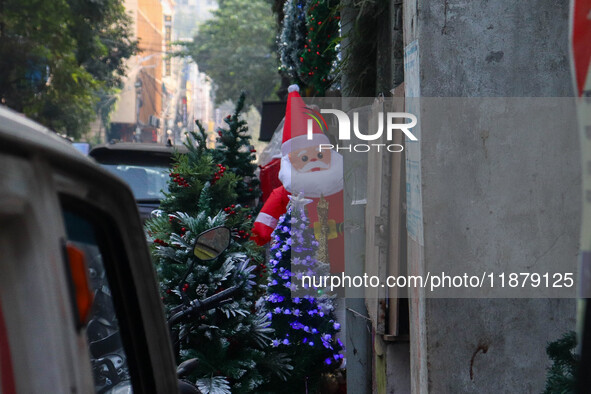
[79, 305]
[145, 168]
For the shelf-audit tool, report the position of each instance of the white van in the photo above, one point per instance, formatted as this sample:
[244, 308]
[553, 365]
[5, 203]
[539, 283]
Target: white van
[79, 304]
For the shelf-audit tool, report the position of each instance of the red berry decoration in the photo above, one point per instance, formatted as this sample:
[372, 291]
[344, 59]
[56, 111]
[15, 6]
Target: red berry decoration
[218, 174]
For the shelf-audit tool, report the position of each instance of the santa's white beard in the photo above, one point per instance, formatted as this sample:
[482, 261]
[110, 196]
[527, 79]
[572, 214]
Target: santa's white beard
[315, 183]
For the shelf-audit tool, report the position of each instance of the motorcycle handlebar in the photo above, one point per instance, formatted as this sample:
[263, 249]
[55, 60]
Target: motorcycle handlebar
[210, 302]
[203, 305]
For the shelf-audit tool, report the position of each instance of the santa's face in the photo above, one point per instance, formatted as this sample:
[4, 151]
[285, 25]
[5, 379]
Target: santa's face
[310, 159]
[312, 172]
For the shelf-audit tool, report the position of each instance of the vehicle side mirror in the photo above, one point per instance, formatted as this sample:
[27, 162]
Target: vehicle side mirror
[211, 243]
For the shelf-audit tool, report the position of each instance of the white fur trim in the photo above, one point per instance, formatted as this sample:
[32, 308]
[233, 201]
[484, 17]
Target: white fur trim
[293, 88]
[266, 219]
[302, 141]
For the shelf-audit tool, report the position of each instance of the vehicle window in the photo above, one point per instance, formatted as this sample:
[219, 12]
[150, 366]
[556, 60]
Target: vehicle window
[146, 182]
[108, 357]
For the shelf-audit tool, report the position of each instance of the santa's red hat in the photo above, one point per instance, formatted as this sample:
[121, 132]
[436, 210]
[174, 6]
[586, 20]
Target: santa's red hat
[295, 128]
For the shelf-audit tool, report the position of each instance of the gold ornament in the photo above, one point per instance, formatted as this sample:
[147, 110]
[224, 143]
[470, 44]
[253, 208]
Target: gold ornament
[322, 210]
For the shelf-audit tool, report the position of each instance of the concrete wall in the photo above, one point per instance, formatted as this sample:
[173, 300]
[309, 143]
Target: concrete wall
[491, 48]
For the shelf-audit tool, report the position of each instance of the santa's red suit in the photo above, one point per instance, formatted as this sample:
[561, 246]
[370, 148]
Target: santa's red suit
[310, 171]
[276, 206]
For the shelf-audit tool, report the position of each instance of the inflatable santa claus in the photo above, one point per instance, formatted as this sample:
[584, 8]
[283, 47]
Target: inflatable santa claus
[309, 171]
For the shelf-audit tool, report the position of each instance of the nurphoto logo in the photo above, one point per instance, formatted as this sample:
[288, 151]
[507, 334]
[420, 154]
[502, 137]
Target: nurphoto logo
[345, 130]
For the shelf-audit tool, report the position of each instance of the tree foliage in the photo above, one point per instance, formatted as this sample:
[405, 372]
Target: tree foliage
[57, 58]
[562, 375]
[235, 151]
[235, 49]
[308, 43]
[230, 341]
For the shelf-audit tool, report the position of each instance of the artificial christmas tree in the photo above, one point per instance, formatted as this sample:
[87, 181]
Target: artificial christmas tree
[562, 375]
[305, 327]
[236, 154]
[231, 341]
[320, 51]
[292, 39]
[308, 43]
